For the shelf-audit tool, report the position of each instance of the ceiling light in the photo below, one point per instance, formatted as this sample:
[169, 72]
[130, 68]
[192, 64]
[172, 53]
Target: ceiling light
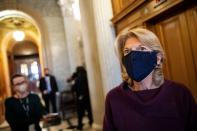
[18, 35]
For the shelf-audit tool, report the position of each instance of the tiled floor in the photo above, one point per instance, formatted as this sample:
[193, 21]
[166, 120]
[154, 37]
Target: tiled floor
[61, 127]
[64, 125]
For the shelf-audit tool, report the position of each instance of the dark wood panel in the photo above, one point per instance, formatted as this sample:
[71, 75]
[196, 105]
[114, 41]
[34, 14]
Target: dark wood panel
[124, 12]
[153, 9]
[175, 38]
[192, 24]
[116, 6]
[126, 3]
[172, 39]
[146, 9]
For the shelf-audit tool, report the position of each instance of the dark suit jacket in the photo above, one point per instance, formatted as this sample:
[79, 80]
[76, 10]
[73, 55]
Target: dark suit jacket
[43, 85]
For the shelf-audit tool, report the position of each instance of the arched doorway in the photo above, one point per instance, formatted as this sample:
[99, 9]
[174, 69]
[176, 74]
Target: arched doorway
[23, 57]
[10, 23]
[17, 56]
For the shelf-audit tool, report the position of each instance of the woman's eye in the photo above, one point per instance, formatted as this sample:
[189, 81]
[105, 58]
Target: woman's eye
[142, 48]
[126, 52]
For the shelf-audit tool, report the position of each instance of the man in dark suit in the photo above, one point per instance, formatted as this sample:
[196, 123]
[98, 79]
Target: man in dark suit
[82, 92]
[48, 88]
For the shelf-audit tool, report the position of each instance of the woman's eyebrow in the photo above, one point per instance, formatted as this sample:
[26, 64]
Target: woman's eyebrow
[126, 48]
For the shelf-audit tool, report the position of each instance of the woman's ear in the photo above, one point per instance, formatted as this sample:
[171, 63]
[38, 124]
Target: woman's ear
[159, 58]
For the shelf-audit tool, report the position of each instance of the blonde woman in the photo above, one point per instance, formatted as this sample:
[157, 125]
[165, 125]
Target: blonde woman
[148, 102]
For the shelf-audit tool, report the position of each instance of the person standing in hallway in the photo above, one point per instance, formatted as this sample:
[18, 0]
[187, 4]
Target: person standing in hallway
[145, 101]
[23, 110]
[48, 88]
[82, 92]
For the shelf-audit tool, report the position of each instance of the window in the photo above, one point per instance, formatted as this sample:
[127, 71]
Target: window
[34, 70]
[76, 10]
[24, 69]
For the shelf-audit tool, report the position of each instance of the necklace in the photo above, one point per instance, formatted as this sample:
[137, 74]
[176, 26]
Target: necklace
[25, 105]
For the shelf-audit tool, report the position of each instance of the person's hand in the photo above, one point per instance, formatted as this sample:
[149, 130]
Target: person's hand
[44, 118]
[57, 93]
[49, 116]
[45, 92]
[80, 97]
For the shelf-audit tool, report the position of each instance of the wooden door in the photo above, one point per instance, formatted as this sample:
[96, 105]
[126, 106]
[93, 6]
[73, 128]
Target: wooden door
[120, 5]
[178, 37]
[192, 23]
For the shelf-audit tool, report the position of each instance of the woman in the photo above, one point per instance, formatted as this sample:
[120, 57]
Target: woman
[23, 111]
[148, 102]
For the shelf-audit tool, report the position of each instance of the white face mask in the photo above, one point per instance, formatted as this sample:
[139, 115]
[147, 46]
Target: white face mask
[22, 88]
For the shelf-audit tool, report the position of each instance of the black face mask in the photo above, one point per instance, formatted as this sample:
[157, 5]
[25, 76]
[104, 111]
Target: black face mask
[140, 64]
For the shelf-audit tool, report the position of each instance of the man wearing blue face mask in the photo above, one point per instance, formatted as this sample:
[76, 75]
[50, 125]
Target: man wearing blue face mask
[23, 111]
[145, 101]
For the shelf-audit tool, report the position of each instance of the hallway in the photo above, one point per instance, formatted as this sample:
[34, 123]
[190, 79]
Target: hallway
[62, 35]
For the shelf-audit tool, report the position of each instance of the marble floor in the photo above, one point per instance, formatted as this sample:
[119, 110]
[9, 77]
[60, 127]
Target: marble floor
[62, 127]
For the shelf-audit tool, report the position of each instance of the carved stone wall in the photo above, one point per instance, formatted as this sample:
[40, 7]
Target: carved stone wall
[47, 8]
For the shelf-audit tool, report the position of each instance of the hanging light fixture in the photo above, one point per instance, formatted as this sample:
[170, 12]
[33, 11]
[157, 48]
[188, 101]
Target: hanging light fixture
[18, 35]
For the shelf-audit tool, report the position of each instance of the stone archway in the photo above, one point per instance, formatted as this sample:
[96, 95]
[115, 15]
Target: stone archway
[6, 36]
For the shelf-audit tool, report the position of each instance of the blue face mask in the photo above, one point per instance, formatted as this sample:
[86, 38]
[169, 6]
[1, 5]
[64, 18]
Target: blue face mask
[140, 64]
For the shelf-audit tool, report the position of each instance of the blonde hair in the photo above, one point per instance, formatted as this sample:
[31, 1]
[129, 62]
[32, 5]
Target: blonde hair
[146, 38]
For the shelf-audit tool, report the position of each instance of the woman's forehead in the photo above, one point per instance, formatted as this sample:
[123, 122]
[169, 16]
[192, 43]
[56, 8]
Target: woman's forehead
[132, 42]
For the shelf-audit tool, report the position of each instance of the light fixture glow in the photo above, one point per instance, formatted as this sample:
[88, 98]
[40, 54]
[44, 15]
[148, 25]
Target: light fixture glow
[76, 10]
[18, 35]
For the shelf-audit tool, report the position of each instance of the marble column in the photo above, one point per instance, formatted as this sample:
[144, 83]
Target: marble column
[98, 35]
[92, 63]
[72, 29]
[110, 66]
